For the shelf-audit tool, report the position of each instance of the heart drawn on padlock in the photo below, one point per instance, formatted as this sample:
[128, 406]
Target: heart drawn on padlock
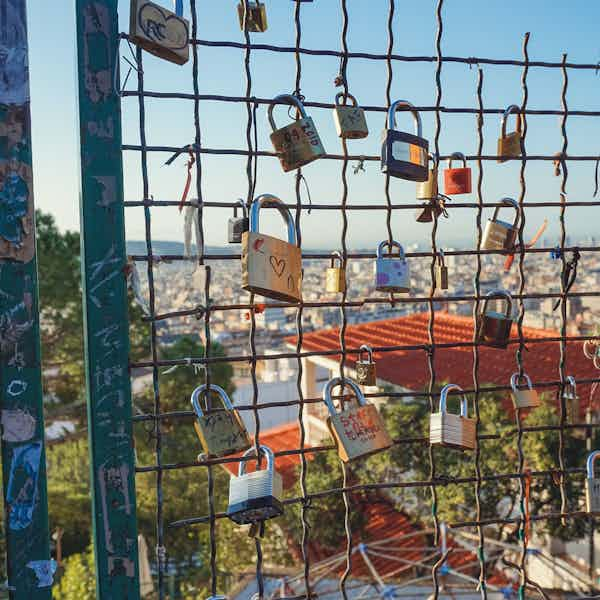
[278, 265]
[163, 27]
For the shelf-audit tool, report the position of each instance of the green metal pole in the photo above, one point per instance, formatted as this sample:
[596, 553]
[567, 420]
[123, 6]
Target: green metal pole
[105, 303]
[29, 568]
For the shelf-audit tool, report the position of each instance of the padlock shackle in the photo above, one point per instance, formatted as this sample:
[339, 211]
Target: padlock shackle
[440, 255]
[365, 348]
[386, 244]
[571, 384]
[503, 294]
[513, 108]
[512, 203]
[285, 99]
[346, 98]
[242, 203]
[514, 382]
[203, 390]
[464, 403]
[271, 201]
[416, 117]
[459, 156]
[337, 254]
[338, 382]
[434, 158]
[265, 451]
[591, 460]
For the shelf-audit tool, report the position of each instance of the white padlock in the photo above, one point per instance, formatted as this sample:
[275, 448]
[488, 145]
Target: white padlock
[392, 273]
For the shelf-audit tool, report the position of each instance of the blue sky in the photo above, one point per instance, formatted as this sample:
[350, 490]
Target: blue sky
[493, 29]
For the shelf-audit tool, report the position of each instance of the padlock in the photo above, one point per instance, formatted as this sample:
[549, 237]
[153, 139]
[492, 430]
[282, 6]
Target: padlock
[298, 143]
[159, 31]
[592, 488]
[221, 432]
[448, 429]
[429, 190]
[256, 496]
[571, 401]
[257, 16]
[350, 121]
[457, 181]
[510, 145]
[523, 398]
[366, 370]
[441, 272]
[271, 267]
[493, 328]
[335, 277]
[500, 235]
[238, 225]
[404, 155]
[357, 431]
[392, 273]
[434, 208]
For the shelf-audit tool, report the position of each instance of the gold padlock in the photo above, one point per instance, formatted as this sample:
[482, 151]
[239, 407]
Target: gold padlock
[256, 20]
[428, 190]
[298, 143]
[441, 272]
[510, 145]
[501, 235]
[335, 277]
[366, 373]
[357, 431]
[350, 121]
[523, 398]
[221, 432]
[493, 328]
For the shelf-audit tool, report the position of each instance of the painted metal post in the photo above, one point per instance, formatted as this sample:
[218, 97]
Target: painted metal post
[29, 567]
[105, 303]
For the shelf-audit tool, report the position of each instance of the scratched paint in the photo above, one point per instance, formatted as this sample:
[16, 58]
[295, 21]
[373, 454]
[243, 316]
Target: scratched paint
[17, 425]
[44, 571]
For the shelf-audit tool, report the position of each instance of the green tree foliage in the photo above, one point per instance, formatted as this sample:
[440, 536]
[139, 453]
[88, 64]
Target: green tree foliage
[78, 580]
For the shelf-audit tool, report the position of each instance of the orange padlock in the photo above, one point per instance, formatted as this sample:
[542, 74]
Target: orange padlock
[457, 181]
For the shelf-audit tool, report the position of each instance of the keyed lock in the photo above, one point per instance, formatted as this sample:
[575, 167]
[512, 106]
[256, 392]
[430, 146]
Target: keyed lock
[404, 155]
[221, 432]
[335, 277]
[493, 328]
[359, 430]
[500, 235]
[392, 273]
[510, 145]
[441, 272]
[448, 429]
[571, 400]
[350, 121]
[366, 373]
[237, 226]
[457, 180]
[256, 21]
[428, 189]
[298, 143]
[592, 489]
[525, 397]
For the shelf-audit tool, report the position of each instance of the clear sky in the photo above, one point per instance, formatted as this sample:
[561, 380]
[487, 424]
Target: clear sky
[472, 28]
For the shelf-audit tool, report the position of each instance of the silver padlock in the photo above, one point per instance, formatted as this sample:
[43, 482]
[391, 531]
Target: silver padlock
[366, 369]
[500, 235]
[592, 487]
[448, 429]
[255, 497]
[237, 226]
[526, 397]
[392, 273]
[571, 401]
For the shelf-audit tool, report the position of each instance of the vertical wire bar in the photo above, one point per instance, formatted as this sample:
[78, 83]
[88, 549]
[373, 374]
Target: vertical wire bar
[388, 98]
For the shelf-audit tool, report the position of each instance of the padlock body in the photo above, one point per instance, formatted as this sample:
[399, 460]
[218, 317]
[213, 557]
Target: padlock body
[510, 145]
[335, 280]
[441, 277]
[159, 31]
[271, 267]
[525, 398]
[425, 213]
[392, 275]
[493, 329]
[255, 497]
[404, 155]
[592, 495]
[572, 404]
[221, 433]
[453, 431]
[297, 144]
[350, 122]
[457, 181]
[427, 190]
[257, 17]
[359, 431]
[366, 373]
[236, 226]
[499, 235]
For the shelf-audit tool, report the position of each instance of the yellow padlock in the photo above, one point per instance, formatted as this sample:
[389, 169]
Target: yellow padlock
[511, 144]
[350, 121]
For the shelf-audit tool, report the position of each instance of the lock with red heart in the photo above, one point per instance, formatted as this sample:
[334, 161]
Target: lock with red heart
[457, 180]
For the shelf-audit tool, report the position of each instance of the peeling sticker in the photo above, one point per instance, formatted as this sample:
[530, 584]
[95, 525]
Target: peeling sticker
[17, 426]
[44, 571]
[23, 485]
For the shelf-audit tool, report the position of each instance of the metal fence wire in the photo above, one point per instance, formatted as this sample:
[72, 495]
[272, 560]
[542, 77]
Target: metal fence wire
[343, 162]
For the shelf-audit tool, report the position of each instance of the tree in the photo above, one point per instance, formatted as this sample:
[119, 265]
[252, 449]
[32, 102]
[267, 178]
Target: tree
[78, 581]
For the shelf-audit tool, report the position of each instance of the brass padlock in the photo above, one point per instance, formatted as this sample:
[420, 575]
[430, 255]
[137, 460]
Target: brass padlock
[500, 235]
[450, 430]
[335, 277]
[160, 31]
[510, 145]
[429, 190]
[493, 328]
[357, 431]
[350, 121]
[525, 397]
[441, 272]
[404, 155]
[392, 273]
[366, 373]
[238, 225]
[221, 432]
[592, 488]
[572, 401]
[271, 267]
[256, 21]
[298, 143]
